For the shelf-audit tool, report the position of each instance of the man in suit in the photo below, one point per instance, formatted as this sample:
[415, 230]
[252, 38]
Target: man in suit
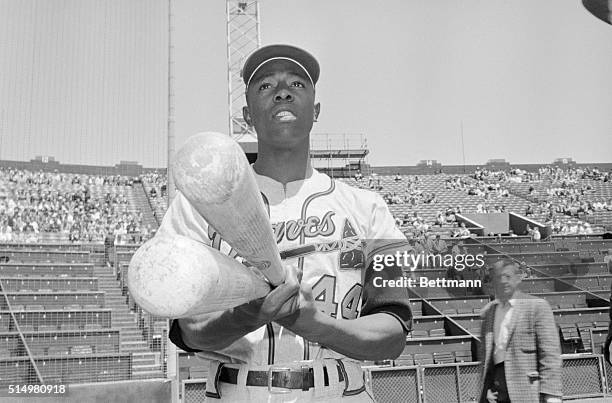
[519, 343]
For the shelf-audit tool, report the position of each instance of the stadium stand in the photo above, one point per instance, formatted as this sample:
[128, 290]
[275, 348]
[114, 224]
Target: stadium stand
[66, 307]
[62, 305]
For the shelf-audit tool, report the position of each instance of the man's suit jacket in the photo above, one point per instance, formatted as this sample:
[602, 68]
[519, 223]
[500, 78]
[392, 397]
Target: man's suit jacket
[533, 354]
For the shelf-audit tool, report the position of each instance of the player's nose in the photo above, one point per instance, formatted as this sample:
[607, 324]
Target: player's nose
[283, 95]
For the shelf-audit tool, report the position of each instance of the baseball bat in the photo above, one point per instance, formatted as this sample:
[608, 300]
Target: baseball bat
[212, 171]
[176, 277]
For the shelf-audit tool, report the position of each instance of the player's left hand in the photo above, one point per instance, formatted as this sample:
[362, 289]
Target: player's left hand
[305, 314]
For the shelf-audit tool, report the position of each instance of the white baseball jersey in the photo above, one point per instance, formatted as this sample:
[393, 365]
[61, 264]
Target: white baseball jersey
[319, 224]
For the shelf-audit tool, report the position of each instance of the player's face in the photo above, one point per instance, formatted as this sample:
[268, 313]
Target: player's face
[280, 105]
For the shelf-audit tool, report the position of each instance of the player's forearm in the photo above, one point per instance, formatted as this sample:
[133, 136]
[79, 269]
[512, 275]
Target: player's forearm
[374, 337]
[215, 331]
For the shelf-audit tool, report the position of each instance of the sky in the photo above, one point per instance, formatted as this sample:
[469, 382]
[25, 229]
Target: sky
[529, 81]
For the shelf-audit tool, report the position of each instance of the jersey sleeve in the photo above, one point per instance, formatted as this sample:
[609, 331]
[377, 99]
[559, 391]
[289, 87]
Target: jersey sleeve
[175, 337]
[384, 237]
[394, 301]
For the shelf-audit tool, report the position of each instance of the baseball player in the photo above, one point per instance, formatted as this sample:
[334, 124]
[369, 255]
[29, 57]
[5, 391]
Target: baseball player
[305, 340]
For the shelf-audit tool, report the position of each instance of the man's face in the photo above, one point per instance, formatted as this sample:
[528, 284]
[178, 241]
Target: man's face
[506, 281]
[280, 105]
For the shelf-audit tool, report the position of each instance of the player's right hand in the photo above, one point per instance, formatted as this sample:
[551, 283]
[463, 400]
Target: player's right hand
[282, 301]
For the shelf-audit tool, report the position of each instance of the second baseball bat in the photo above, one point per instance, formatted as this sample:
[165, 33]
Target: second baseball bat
[176, 277]
[212, 171]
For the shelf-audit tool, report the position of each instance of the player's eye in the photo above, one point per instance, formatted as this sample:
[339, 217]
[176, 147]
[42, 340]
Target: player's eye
[264, 86]
[298, 84]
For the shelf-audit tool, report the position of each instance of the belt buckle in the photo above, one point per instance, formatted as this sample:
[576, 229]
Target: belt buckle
[275, 390]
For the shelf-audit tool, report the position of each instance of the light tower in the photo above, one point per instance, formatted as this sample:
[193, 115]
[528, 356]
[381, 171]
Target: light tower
[242, 39]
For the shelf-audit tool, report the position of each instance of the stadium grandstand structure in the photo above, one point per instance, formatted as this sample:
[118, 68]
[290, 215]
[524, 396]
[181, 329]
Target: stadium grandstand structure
[66, 315]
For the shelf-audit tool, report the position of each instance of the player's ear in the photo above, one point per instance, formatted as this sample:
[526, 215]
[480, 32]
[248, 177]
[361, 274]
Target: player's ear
[246, 115]
[317, 110]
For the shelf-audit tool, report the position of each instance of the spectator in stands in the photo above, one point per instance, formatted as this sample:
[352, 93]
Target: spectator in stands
[416, 218]
[450, 217]
[398, 221]
[6, 232]
[451, 272]
[439, 245]
[440, 219]
[519, 343]
[395, 199]
[463, 231]
[397, 177]
[535, 234]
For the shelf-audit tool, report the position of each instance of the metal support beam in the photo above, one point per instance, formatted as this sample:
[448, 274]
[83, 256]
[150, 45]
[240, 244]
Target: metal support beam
[242, 39]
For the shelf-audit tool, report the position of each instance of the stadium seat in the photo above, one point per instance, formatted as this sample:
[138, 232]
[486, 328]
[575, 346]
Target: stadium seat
[419, 333]
[47, 328]
[404, 359]
[84, 349]
[58, 350]
[69, 326]
[423, 359]
[463, 356]
[198, 372]
[437, 333]
[444, 358]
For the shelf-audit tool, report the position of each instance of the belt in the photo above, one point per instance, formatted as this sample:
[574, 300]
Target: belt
[281, 377]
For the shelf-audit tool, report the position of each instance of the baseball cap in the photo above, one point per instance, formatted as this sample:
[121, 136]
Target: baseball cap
[263, 55]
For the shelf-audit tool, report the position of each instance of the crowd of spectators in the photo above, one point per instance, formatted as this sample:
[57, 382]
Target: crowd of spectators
[483, 183]
[85, 208]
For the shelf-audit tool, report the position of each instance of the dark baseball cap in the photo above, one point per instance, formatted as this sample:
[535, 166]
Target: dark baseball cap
[263, 55]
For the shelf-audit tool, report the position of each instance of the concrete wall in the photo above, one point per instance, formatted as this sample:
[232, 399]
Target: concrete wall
[496, 223]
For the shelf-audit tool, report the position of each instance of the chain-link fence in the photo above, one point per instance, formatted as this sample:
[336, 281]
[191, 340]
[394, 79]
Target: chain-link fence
[583, 376]
[469, 382]
[399, 384]
[193, 391]
[440, 383]
[608, 378]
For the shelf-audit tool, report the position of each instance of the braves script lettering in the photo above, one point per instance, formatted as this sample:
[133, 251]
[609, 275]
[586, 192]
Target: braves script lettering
[311, 227]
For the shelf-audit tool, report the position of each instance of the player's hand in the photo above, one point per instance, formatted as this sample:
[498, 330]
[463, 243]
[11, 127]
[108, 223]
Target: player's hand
[280, 302]
[305, 314]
